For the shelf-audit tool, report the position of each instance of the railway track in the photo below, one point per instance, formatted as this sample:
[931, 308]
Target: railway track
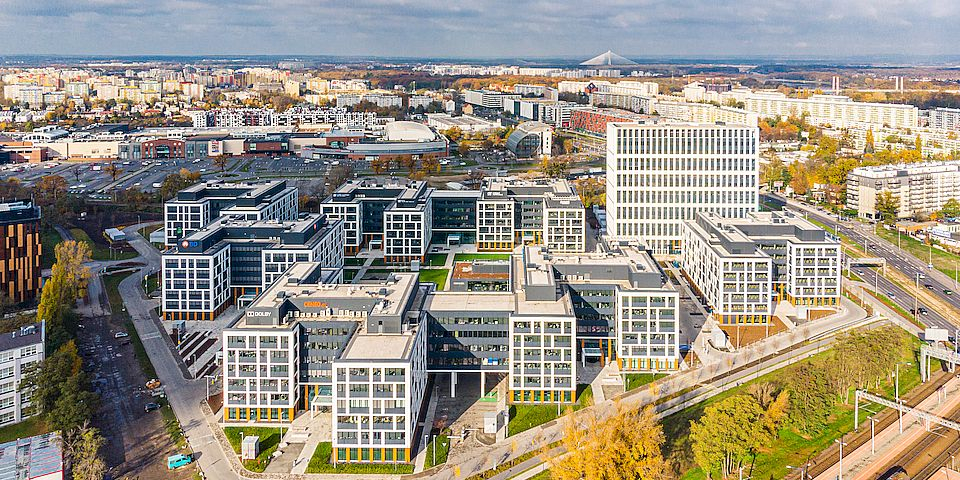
[931, 452]
[828, 457]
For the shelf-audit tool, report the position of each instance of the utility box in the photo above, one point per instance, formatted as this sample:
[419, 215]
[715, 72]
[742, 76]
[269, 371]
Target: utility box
[250, 448]
[492, 422]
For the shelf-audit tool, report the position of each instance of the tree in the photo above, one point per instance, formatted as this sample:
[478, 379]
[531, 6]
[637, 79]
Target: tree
[918, 143]
[67, 283]
[175, 182]
[463, 149]
[887, 206]
[774, 171]
[555, 167]
[113, 171]
[220, 161]
[453, 133]
[727, 433]
[58, 388]
[811, 399]
[81, 449]
[951, 209]
[379, 165]
[49, 189]
[336, 177]
[799, 181]
[628, 444]
[869, 147]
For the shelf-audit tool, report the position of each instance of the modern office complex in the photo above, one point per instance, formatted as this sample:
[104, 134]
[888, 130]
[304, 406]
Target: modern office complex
[393, 215]
[744, 266]
[21, 250]
[19, 350]
[359, 349]
[919, 187]
[234, 258]
[363, 350]
[196, 206]
[513, 212]
[660, 175]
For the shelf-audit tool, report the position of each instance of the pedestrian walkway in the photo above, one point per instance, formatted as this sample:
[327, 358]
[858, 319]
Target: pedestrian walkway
[421, 457]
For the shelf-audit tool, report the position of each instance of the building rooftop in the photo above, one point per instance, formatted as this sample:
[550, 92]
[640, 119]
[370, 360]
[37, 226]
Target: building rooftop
[17, 211]
[22, 337]
[32, 457]
[384, 346]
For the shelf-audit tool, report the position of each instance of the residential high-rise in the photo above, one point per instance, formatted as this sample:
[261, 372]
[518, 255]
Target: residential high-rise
[659, 175]
[20, 350]
[919, 188]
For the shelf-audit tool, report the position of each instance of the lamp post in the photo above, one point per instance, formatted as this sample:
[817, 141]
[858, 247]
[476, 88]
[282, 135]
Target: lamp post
[841, 443]
[873, 422]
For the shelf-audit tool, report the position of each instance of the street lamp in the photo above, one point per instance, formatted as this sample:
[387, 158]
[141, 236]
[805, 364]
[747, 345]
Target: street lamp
[873, 421]
[841, 443]
[803, 470]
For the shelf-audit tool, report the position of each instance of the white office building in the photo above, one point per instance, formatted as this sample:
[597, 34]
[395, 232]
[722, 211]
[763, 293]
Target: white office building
[744, 266]
[513, 212]
[660, 175]
[196, 206]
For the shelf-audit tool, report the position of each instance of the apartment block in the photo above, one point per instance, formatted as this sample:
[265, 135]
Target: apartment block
[513, 212]
[744, 266]
[21, 250]
[196, 206]
[235, 259]
[660, 175]
[20, 350]
[920, 188]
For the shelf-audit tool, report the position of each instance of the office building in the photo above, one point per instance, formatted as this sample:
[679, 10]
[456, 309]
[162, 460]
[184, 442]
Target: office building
[20, 350]
[393, 215]
[488, 99]
[660, 175]
[920, 188]
[466, 123]
[513, 212]
[233, 258]
[744, 266]
[531, 139]
[21, 251]
[196, 206]
[358, 349]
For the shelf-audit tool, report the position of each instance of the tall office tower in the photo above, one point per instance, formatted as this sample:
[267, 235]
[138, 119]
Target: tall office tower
[661, 174]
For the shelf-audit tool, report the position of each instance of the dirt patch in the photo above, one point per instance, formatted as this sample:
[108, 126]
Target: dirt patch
[746, 334]
[138, 443]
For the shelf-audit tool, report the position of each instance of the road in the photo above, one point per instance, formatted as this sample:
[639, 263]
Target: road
[183, 394]
[897, 259]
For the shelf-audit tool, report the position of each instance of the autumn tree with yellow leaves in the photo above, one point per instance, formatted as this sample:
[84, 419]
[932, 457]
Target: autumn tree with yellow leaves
[628, 444]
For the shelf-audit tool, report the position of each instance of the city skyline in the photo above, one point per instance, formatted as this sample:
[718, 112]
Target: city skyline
[393, 28]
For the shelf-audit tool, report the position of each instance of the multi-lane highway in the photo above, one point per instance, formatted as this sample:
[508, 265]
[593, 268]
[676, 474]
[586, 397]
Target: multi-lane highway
[933, 281]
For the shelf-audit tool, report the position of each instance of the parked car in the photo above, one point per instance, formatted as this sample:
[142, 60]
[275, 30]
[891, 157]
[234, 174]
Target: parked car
[153, 383]
[151, 407]
[121, 335]
[178, 460]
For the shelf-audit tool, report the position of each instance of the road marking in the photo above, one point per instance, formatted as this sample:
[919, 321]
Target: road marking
[150, 336]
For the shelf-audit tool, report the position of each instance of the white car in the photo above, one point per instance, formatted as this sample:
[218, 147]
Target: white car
[121, 335]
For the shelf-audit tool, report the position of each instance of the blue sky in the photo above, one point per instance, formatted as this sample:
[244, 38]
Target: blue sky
[514, 28]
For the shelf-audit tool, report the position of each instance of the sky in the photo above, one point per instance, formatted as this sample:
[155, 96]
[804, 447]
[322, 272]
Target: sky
[482, 28]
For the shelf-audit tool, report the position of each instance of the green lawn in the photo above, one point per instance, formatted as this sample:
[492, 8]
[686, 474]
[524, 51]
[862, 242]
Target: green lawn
[790, 448]
[441, 443]
[524, 417]
[146, 231]
[320, 463]
[49, 238]
[269, 439]
[636, 380]
[348, 274]
[437, 276]
[544, 475]
[172, 425]
[944, 261]
[467, 257]
[100, 252]
[27, 428]
[436, 260]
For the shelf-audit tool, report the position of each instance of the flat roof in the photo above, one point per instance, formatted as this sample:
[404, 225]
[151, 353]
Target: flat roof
[379, 346]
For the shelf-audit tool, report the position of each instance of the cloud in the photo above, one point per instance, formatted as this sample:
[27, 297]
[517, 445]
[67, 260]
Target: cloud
[480, 28]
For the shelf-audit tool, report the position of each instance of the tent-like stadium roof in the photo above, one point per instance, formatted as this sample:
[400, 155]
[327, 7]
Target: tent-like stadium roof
[608, 59]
